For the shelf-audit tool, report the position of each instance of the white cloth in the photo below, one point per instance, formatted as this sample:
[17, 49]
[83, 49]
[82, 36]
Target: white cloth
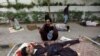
[61, 26]
[16, 24]
[90, 23]
[12, 30]
[50, 35]
[63, 38]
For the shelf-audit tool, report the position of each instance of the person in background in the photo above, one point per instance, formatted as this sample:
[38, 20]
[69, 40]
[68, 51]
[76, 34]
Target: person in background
[11, 21]
[62, 27]
[66, 13]
[48, 31]
[14, 23]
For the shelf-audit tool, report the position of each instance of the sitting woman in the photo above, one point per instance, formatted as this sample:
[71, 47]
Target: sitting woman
[48, 31]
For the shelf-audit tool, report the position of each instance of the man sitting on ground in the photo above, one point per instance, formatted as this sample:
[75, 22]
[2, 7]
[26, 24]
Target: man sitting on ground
[48, 31]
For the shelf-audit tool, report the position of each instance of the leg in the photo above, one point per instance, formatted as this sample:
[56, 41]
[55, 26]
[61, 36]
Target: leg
[55, 34]
[43, 35]
[68, 28]
[68, 52]
[65, 19]
[39, 55]
[71, 42]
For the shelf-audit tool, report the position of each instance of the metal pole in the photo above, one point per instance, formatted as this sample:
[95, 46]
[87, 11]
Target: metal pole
[49, 6]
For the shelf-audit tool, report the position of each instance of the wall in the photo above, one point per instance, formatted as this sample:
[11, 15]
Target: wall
[71, 8]
[53, 1]
[76, 1]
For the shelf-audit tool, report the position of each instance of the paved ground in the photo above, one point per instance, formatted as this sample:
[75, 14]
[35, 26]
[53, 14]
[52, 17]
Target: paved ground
[86, 49]
[27, 36]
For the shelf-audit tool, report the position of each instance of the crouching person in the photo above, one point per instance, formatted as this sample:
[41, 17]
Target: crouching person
[48, 31]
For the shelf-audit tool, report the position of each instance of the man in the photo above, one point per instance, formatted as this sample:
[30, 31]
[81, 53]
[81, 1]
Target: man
[66, 13]
[48, 31]
[50, 49]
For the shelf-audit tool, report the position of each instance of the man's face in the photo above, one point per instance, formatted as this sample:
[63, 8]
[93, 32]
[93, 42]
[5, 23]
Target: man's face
[29, 49]
[48, 22]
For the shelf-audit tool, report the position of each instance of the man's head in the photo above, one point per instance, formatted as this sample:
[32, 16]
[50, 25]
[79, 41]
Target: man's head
[48, 21]
[67, 5]
[24, 51]
[30, 47]
[27, 50]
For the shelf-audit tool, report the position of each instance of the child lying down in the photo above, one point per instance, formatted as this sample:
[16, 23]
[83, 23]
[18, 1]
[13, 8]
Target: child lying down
[48, 49]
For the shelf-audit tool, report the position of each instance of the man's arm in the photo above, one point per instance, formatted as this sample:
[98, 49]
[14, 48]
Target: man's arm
[72, 42]
[40, 50]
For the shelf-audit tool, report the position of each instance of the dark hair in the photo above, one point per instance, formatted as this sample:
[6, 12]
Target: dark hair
[68, 5]
[49, 20]
[23, 52]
